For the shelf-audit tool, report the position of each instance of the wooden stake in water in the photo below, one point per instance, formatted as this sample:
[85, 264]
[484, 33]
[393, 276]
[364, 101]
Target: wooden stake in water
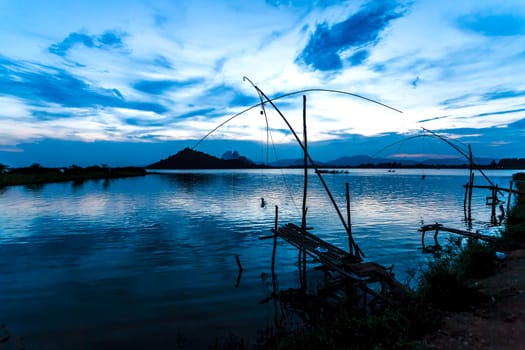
[465, 201]
[274, 281]
[493, 204]
[348, 220]
[471, 184]
[302, 252]
[510, 195]
[274, 278]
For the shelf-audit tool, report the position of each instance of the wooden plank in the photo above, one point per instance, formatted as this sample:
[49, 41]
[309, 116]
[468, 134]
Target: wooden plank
[438, 227]
[337, 259]
[491, 187]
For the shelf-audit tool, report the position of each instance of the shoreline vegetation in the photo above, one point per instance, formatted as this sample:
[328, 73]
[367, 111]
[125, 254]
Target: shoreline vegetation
[192, 159]
[461, 285]
[188, 159]
[36, 174]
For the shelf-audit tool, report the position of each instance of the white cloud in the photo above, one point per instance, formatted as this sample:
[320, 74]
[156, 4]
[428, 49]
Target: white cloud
[424, 63]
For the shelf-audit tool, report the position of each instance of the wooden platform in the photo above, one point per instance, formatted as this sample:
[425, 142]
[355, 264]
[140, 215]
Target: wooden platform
[438, 227]
[336, 259]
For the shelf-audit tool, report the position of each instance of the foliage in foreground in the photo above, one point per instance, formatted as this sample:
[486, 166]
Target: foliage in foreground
[514, 232]
[36, 174]
[449, 280]
[394, 327]
[447, 283]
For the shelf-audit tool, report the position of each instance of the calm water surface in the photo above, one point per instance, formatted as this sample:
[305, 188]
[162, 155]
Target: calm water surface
[150, 261]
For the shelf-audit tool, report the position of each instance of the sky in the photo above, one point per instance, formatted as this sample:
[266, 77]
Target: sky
[129, 82]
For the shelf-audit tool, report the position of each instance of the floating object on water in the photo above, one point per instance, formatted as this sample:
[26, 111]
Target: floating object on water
[501, 256]
[264, 276]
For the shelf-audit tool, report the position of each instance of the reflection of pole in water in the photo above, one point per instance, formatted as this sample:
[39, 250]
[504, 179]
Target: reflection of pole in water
[493, 204]
[274, 278]
[240, 271]
[510, 195]
[501, 214]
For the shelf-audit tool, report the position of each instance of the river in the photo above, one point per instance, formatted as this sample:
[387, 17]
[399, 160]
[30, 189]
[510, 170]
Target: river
[150, 261]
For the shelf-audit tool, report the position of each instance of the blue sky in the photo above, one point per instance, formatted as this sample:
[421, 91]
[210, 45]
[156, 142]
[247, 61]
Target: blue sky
[131, 82]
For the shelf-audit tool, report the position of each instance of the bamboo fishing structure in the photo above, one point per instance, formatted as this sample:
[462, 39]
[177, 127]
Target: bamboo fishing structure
[358, 252]
[493, 200]
[438, 228]
[348, 266]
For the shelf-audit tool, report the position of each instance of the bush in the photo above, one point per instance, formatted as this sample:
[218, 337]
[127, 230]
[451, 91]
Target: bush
[396, 325]
[514, 232]
[448, 281]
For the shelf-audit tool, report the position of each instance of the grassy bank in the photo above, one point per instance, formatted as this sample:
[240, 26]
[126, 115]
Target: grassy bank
[36, 174]
[449, 283]
[515, 226]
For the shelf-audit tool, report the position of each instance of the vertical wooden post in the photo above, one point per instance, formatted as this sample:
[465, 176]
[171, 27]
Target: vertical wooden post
[510, 196]
[275, 293]
[436, 243]
[493, 205]
[465, 202]
[276, 226]
[302, 252]
[471, 187]
[349, 220]
[471, 184]
[305, 165]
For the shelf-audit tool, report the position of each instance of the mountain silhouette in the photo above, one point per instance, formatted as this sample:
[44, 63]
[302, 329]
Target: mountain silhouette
[191, 159]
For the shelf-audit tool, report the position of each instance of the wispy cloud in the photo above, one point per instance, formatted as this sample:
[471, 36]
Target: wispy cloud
[508, 111]
[158, 87]
[163, 71]
[352, 38]
[431, 119]
[493, 95]
[489, 24]
[195, 113]
[40, 85]
[106, 40]
[424, 155]
[499, 94]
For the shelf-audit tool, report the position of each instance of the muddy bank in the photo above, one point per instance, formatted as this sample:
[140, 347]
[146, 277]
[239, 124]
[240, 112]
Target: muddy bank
[499, 322]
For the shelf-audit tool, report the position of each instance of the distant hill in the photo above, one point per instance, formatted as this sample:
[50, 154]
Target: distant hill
[511, 163]
[229, 155]
[367, 161]
[191, 159]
